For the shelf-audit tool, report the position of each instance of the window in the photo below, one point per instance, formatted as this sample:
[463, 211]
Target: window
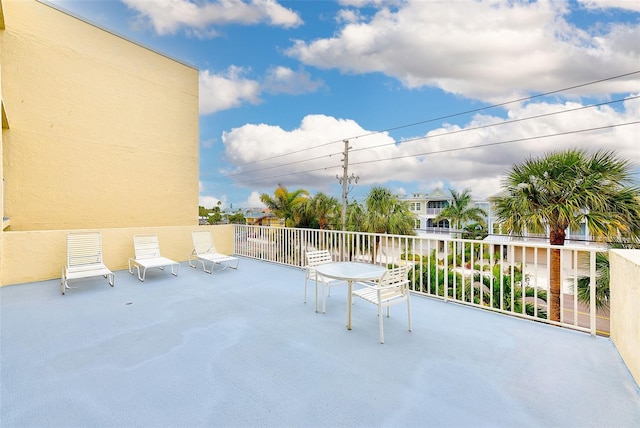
[415, 206]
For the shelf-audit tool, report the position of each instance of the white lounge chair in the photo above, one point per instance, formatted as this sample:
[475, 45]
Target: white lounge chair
[316, 258]
[204, 251]
[84, 259]
[390, 290]
[147, 256]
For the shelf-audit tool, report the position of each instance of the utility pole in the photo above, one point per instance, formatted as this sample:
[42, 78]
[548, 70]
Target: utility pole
[345, 180]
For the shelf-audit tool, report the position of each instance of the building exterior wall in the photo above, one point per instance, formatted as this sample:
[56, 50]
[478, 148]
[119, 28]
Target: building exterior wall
[625, 306]
[39, 255]
[103, 132]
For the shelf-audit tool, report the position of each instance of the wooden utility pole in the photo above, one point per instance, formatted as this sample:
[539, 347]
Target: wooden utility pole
[345, 180]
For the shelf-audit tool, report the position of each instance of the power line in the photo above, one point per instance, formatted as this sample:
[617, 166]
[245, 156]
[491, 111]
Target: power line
[516, 140]
[507, 122]
[449, 116]
[446, 150]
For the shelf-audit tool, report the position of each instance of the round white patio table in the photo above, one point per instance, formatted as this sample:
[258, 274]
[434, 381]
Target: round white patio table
[350, 272]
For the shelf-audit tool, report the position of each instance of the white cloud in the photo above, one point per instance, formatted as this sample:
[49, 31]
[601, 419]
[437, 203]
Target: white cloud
[608, 4]
[310, 155]
[490, 50]
[285, 80]
[253, 201]
[198, 17]
[231, 88]
[226, 90]
[208, 201]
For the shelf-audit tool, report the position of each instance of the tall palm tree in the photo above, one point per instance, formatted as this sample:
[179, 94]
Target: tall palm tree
[386, 213]
[559, 191]
[321, 208]
[461, 210]
[284, 203]
[383, 212]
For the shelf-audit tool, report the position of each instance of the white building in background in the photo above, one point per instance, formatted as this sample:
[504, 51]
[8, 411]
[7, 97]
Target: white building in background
[426, 207]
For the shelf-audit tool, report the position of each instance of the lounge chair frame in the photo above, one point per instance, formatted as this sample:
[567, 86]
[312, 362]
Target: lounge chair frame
[147, 256]
[204, 251]
[84, 259]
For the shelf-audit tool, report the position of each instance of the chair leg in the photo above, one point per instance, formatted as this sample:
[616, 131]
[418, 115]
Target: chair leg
[204, 267]
[381, 321]
[409, 312]
[144, 273]
[324, 298]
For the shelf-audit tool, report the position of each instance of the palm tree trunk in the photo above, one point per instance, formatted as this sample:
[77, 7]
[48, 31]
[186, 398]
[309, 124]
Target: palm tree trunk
[376, 246]
[556, 237]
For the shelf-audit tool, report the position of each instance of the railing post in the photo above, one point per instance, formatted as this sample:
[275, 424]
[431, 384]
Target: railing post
[592, 292]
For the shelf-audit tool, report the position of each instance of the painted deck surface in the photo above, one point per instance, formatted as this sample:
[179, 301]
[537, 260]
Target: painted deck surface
[241, 349]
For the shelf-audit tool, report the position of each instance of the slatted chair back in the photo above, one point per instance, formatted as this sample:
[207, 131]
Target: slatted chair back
[202, 242]
[84, 249]
[391, 289]
[315, 258]
[395, 280]
[84, 259]
[146, 247]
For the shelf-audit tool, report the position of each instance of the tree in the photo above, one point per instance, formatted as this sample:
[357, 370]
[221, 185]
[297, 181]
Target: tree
[237, 217]
[386, 213]
[322, 209]
[383, 212]
[476, 231]
[602, 277]
[461, 210]
[562, 190]
[284, 204]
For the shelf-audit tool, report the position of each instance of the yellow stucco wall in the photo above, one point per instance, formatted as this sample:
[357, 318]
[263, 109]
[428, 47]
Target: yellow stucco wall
[103, 132]
[39, 255]
[625, 306]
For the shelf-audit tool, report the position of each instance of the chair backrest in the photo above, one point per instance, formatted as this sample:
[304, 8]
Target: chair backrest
[146, 246]
[315, 258]
[202, 242]
[84, 248]
[395, 277]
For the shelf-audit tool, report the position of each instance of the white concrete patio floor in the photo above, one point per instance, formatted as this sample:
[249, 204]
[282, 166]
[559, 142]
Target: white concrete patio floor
[240, 349]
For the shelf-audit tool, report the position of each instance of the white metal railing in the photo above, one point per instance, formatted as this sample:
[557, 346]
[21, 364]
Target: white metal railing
[433, 211]
[506, 277]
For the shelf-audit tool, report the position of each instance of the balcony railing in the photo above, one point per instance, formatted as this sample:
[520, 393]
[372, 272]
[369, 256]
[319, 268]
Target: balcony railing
[433, 211]
[507, 277]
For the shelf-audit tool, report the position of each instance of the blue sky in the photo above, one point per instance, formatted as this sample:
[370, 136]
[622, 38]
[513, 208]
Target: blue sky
[410, 84]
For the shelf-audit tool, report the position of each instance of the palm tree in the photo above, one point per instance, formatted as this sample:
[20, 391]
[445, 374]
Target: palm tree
[284, 203]
[602, 277]
[383, 212]
[560, 191]
[322, 209]
[461, 210]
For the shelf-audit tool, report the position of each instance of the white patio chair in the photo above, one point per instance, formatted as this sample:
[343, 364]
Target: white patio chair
[204, 251]
[147, 256]
[391, 289]
[315, 258]
[84, 259]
